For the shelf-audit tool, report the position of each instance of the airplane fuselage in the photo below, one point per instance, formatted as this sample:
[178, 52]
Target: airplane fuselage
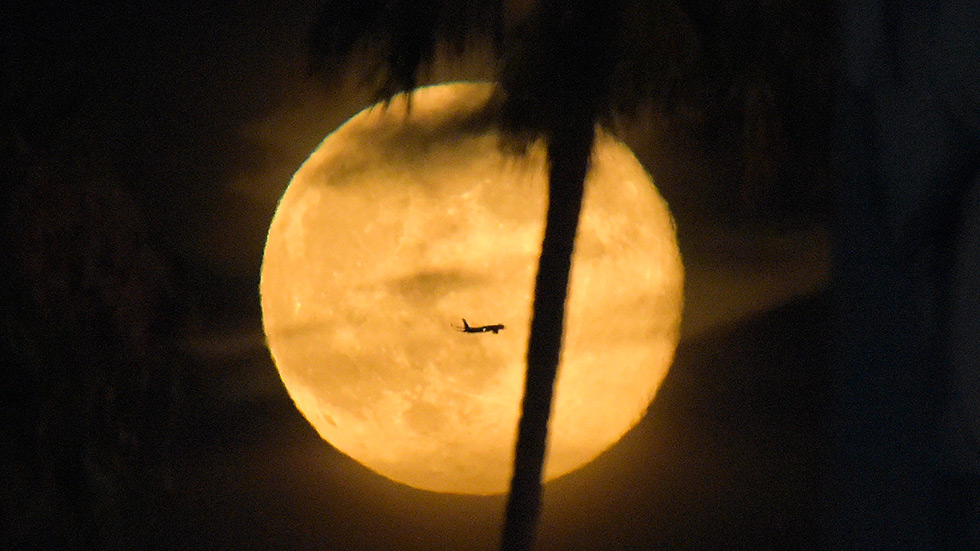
[467, 328]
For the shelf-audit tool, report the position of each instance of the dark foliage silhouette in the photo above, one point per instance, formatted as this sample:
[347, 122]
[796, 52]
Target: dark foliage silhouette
[903, 468]
[89, 383]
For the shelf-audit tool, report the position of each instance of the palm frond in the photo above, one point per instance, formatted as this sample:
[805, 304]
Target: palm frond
[595, 56]
[657, 53]
[396, 39]
[559, 66]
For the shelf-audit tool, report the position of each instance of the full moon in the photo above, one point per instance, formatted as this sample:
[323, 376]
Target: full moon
[409, 218]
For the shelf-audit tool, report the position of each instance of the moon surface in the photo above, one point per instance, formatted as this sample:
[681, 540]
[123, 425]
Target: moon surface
[402, 222]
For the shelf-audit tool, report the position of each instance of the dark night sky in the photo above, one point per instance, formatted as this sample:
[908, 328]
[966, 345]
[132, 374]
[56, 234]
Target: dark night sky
[204, 112]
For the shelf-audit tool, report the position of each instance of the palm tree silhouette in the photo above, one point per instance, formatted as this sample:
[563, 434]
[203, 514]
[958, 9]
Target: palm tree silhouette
[555, 83]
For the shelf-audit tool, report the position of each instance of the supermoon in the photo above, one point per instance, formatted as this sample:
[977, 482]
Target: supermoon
[403, 222]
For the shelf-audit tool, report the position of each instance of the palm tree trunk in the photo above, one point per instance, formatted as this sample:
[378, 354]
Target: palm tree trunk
[568, 155]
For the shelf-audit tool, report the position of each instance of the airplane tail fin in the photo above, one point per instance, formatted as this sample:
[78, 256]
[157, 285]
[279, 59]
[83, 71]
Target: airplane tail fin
[465, 325]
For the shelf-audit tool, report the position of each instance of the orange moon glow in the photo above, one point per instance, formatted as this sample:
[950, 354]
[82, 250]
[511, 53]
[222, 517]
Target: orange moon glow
[403, 222]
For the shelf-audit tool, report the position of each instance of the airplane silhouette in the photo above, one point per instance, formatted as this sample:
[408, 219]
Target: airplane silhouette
[466, 328]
